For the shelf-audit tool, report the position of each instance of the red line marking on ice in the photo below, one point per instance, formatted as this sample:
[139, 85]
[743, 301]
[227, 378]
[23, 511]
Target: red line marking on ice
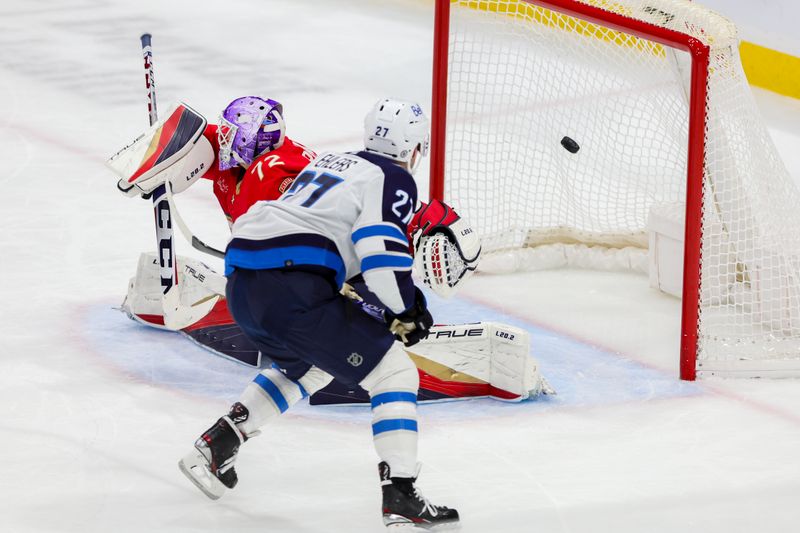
[54, 141]
[77, 323]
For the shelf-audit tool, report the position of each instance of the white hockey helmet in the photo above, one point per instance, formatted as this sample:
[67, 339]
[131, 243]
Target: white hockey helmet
[395, 128]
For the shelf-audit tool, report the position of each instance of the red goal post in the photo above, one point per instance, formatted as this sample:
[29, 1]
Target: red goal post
[609, 15]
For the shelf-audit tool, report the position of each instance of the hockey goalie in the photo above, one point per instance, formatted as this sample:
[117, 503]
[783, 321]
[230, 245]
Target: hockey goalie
[249, 159]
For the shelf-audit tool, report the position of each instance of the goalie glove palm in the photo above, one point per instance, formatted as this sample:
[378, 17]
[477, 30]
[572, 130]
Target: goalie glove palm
[446, 248]
[413, 324]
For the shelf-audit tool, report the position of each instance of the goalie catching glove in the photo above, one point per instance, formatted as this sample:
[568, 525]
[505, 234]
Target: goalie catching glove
[446, 248]
[414, 323]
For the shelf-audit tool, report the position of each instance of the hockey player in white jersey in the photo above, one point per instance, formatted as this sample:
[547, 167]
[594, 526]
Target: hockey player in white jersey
[345, 215]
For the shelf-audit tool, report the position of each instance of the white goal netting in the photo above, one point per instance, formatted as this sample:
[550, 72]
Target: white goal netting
[522, 78]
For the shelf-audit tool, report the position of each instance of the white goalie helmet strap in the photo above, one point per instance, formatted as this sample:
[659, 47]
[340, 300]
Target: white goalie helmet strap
[279, 125]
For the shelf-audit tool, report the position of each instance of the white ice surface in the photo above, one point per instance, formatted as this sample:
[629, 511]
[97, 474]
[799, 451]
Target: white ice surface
[95, 411]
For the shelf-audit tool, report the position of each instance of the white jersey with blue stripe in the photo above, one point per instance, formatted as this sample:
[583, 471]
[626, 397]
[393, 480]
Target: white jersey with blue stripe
[347, 212]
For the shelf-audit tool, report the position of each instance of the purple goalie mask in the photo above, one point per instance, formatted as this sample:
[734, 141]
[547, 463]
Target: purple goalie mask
[249, 127]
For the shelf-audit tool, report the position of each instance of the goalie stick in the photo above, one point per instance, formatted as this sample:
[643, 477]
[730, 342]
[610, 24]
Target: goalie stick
[163, 202]
[163, 193]
[165, 236]
[197, 244]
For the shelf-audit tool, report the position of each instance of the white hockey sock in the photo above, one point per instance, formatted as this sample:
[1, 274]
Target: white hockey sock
[271, 393]
[393, 386]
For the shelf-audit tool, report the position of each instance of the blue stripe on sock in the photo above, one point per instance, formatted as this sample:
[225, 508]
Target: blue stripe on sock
[387, 397]
[302, 390]
[273, 391]
[394, 424]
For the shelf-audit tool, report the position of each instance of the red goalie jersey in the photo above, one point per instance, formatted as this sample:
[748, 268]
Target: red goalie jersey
[265, 179]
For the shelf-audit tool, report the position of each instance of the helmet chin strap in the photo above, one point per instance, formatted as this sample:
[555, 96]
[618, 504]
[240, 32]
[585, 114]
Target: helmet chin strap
[414, 161]
[282, 129]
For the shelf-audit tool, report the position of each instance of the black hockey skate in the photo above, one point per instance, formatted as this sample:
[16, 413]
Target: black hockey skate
[404, 506]
[210, 465]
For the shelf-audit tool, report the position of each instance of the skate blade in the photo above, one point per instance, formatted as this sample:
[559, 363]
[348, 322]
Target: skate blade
[193, 466]
[400, 523]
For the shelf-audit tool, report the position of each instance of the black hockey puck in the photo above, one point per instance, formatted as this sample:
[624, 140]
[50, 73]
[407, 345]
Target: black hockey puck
[570, 145]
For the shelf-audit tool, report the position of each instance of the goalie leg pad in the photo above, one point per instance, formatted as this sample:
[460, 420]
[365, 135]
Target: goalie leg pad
[515, 375]
[199, 290]
[483, 359]
[465, 361]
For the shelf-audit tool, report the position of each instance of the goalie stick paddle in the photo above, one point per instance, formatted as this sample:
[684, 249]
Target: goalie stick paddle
[197, 244]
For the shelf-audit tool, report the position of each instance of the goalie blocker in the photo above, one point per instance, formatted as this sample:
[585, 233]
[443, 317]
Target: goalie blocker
[172, 151]
[484, 359]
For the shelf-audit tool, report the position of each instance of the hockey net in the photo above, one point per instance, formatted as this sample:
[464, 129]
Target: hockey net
[654, 95]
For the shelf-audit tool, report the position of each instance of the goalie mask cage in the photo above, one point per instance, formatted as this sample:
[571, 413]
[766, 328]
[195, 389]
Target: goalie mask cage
[654, 94]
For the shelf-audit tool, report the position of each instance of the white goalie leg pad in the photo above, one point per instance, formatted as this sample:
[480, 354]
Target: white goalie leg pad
[201, 277]
[464, 348]
[199, 290]
[272, 393]
[512, 367]
[393, 387]
[495, 353]
[144, 290]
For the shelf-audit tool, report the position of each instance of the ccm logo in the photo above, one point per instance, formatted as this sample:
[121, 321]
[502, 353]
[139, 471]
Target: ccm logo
[165, 251]
[453, 334]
